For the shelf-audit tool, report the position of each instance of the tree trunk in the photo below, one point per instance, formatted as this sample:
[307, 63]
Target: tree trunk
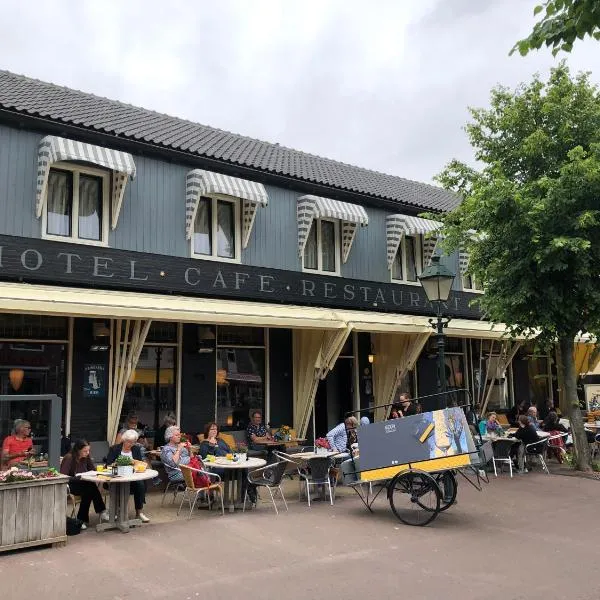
[581, 448]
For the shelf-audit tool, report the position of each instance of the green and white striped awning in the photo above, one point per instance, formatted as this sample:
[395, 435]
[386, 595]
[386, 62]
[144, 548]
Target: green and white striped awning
[315, 207]
[53, 149]
[398, 226]
[204, 183]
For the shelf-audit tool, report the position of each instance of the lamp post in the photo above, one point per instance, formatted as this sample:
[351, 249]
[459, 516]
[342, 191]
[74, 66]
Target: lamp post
[436, 281]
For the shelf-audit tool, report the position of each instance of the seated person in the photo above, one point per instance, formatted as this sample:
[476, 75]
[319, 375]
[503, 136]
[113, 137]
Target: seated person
[473, 418]
[78, 461]
[257, 432]
[174, 453]
[340, 436]
[515, 412]
[129, 447]
[552, 423]
[527, 434]
[396, 411]
[492, 425]
[532, 415]
[407, 405]
[18, 446]
[159, 438]
[212, 443]
[132, 422]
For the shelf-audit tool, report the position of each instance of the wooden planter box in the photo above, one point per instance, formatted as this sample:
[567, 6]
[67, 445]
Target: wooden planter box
[33, 513]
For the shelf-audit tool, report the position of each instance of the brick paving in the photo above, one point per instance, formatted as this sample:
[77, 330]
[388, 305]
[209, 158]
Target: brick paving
[530, 537]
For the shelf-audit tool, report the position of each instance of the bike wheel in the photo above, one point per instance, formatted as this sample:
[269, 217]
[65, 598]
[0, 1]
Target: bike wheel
[448, 487]
[414, 498]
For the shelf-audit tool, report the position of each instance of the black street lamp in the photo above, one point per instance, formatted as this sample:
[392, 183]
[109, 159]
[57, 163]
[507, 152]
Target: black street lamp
[437, 281]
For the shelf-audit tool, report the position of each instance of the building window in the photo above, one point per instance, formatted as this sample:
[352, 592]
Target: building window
[322, 250]
[407, 264]
[217, 230]
[240, 375]
[470, 284]
[76, 207]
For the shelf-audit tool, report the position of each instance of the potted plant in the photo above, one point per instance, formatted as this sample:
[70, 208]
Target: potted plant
[124, 466]
[284, 433]
[242, 451]
[322, 446]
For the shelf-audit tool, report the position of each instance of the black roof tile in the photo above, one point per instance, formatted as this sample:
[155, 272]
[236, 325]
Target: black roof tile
[48, 101]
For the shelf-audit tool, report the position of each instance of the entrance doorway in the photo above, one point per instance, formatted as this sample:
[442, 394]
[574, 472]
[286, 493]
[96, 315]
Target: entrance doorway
[151, 390]
[334, 396]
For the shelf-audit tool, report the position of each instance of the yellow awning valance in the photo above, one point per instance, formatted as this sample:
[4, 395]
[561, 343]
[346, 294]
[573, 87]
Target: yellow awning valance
[45, 299]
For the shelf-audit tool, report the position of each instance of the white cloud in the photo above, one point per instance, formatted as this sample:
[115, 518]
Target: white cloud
[383, 85]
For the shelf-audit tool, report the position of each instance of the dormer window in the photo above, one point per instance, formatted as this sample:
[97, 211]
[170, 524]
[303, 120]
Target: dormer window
[76, 206]
[322, 250]
[217, 229]
[411, 242]
[80, 189]
[408, 263]
[220, 213]
[326, 231]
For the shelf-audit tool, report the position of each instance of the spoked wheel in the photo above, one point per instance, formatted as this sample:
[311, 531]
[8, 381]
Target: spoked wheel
[448, 487]
[415, 497]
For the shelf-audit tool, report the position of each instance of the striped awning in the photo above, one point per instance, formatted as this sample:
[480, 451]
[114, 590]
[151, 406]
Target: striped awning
[204, 183]
[315, 207]
[398, 226]
[53, 149]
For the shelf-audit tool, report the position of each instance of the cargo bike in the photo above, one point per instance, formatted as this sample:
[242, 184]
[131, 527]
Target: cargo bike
[416, 460]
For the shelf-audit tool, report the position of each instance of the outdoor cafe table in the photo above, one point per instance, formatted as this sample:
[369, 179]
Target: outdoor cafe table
[119, 497]
[310, 455]
[233, 474]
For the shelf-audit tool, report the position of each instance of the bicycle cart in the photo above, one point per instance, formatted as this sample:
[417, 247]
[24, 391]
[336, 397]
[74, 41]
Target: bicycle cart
[415, 460]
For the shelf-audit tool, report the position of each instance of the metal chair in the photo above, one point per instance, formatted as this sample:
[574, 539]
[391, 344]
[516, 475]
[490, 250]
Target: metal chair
[175, 487]
[269, 477]
[318, 476]
[538, 450]
[193, 492]
[502, 448]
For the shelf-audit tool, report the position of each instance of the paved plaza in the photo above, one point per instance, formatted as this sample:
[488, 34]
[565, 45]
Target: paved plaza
[528, 537]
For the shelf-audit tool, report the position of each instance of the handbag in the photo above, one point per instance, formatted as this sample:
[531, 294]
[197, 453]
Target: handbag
[200, 479]
[73, 526]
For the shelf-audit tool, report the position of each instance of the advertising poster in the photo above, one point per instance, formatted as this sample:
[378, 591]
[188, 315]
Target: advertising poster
[94, 380]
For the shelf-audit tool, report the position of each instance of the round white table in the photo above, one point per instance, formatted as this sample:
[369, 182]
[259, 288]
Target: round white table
[233, 474]
[309, 455]
[119, 488]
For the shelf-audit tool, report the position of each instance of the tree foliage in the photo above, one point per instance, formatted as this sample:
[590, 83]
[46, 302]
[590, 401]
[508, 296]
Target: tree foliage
[535, 204]
[563, 22]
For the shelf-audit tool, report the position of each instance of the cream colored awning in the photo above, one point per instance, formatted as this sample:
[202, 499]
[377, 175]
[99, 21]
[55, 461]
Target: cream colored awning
[385, 322]
[477, 329]
[73, 302]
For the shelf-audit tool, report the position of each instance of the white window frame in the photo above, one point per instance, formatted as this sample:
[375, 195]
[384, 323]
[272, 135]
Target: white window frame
[78, 170]
[474, 289]
[338, 250]
[215, 198]
[418, 260]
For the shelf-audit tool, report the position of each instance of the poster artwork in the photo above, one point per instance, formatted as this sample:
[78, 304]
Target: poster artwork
[94, 384]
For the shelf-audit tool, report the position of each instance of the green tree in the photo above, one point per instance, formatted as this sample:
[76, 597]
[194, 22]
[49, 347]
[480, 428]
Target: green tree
[563, 22]
[535, 201]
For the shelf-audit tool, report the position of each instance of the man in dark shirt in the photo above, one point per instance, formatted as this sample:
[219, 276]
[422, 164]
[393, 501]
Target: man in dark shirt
[257, 432]
[526, 434]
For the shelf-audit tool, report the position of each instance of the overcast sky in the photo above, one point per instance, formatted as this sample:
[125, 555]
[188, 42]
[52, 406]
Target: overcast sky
[380, 84]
